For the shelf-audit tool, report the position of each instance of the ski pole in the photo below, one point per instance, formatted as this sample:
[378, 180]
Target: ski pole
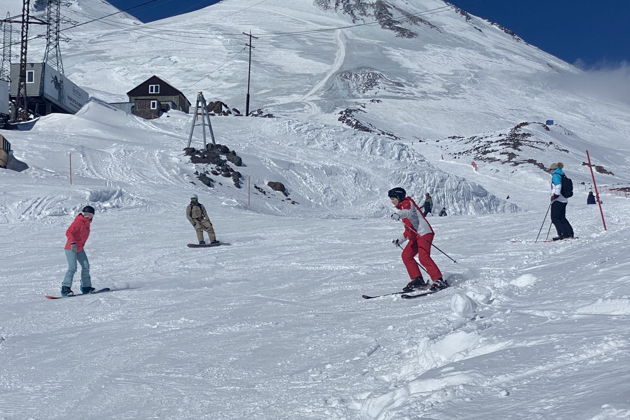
[417, 263]
[543, 223]
[418, 235]
[548, 230]
[448, 256]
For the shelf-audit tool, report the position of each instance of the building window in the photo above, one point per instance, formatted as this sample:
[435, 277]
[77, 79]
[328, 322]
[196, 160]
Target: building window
[154, 89]
[30, 76]
[154, 104]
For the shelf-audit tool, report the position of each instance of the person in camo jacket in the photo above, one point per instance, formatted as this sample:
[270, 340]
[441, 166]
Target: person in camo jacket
[420, 235]
[77, 235]
[198, 217]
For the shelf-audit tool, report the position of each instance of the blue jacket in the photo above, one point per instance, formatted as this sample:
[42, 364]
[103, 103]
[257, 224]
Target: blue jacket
[556, 177]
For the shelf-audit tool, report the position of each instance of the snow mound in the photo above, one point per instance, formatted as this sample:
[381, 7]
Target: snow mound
[463, 306]
[525, 280]
[606, 307]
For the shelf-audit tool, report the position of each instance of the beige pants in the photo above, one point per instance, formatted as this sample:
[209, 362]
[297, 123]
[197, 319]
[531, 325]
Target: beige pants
[204, 225]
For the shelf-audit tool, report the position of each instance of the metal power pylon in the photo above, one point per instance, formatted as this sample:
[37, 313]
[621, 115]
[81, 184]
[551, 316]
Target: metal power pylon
[205, 119]
[5, 62]
[21, 102]
[52, 56]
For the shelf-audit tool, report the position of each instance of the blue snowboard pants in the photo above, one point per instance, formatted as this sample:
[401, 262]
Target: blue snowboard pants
[82, 258]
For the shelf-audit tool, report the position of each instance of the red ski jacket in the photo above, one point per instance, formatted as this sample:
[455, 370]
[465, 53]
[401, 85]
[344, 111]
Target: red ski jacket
[413, 219]
[78, 232]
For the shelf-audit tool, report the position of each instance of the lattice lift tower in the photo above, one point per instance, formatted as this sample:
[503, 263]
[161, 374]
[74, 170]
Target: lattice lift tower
[5, 61]
[52, 56]
[21, 112]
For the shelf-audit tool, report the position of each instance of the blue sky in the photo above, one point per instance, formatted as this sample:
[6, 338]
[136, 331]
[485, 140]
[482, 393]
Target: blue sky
[587, 33]
[591, 33]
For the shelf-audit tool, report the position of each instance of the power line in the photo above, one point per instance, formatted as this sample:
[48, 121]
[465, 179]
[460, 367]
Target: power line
[267, 35]
[229, 60]
[111, 14]
[176, 31]
[104, 17]
[406, 18]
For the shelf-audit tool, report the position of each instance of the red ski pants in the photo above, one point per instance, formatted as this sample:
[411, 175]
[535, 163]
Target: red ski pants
[422, 246]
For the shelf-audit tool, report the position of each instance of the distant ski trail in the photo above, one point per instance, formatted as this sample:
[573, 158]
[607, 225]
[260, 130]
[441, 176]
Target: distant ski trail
[335, 68]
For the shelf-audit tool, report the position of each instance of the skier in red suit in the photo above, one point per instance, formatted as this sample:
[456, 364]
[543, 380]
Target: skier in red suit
[420, 235]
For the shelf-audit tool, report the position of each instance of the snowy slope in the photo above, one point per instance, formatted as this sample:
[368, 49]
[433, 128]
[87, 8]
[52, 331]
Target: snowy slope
[330, 172]
[273, 326]
[459, 75]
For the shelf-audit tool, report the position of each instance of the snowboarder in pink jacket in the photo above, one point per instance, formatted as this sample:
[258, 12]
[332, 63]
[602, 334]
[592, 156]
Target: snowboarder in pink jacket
[77, 234]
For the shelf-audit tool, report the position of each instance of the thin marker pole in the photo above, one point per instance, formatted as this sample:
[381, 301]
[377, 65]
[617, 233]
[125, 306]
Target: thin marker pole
[599, 202]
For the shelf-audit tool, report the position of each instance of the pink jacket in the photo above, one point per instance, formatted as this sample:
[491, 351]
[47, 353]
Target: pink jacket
[78, 232]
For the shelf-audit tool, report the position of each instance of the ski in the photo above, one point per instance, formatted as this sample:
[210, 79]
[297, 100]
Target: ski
[206, 245]
[405, 295]
[526, 241]
[105, 289]
[417, 295]
[378, 296]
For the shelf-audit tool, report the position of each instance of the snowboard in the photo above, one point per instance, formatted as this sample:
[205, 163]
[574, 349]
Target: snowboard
[206, 245]
[105, 289]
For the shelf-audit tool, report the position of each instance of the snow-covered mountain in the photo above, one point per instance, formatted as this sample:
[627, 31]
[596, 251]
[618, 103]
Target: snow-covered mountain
[366, 95]
[409, 70]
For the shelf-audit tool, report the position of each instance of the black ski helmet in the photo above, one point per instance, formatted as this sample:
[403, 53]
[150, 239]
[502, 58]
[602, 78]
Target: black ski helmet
[398, 193]
[88, 209]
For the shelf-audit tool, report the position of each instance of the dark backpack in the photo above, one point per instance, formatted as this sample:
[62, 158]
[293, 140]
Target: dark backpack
[566, 189]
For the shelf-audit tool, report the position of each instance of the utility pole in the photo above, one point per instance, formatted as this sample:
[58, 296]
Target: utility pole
[21, 101]
[249, 71]
[205, 120]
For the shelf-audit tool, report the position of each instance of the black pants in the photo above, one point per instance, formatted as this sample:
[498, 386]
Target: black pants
[559, 220]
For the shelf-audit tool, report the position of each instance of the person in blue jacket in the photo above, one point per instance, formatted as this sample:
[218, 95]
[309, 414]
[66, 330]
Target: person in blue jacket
[559, 203]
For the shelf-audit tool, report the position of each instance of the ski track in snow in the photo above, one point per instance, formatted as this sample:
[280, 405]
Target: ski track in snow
[290, 337]
[273, 325]
[417, 386]
[335, 68]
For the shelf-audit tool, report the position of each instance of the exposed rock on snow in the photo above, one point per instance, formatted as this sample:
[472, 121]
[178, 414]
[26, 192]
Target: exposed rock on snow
[381, 11]
[211, 155]
[365, 82]
[507, 148]
[278, 186]
[218, 108]
[348, 117]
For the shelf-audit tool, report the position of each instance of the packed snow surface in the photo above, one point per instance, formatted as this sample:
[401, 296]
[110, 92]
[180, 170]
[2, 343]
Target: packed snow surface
[273, 326]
